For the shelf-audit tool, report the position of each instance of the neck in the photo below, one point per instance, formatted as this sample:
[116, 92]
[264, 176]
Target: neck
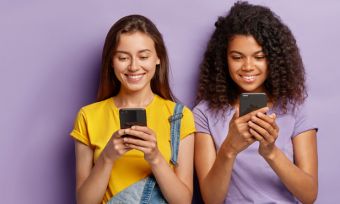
[139, 99]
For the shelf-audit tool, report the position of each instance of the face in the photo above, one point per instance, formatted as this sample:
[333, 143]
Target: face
[134, 61]
[247, 63]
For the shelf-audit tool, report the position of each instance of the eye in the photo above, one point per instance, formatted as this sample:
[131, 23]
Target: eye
[236, 57]
[123, 58]
[260, 57]
[144, 57]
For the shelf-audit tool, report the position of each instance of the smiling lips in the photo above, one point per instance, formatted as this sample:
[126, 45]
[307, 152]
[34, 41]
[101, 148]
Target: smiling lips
[134, 77]
[248, 78]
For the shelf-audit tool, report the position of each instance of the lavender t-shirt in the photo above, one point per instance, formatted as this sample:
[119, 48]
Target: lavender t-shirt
[252, 179]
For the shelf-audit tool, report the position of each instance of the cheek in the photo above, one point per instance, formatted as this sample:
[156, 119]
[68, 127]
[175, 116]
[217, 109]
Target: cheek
[232, 69]
[119, 64]
[149, 64]
[118, 69]
[264, 68]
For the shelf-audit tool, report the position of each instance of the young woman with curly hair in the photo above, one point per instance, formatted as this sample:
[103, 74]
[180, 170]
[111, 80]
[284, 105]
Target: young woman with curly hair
[268, 155]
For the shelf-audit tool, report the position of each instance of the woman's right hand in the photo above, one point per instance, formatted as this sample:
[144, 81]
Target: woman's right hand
[239, 137]
[115, 147]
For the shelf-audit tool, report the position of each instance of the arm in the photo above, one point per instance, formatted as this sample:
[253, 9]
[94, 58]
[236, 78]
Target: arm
[170, 182]
[92, 180]
[300, 177]
[214, 169]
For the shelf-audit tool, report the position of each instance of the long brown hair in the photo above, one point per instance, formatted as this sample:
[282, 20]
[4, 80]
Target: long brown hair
[109, 85]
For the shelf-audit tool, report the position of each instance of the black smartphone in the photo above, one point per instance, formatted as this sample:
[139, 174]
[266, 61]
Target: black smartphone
[252, 101]
[132, 116]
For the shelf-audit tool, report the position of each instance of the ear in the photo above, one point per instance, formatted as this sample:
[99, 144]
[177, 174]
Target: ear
[158, 61]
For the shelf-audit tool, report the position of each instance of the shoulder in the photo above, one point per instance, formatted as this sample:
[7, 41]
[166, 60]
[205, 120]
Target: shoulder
[97, 107]
[202, 107]
[169, 105]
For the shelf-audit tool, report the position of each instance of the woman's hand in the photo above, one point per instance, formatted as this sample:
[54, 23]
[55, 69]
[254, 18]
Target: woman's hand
[264, 128]
[239, 137]
[144, 140]
[115, 147]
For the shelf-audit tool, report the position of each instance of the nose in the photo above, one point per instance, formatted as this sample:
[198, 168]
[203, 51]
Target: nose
[133, 67]
[248, 64]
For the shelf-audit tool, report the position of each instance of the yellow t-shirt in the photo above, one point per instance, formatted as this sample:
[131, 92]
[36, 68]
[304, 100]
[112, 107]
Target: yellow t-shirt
[96, 123]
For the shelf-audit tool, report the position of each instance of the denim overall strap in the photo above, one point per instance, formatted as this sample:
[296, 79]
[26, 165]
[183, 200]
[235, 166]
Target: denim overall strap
[152, 193]
[175, 121]
[147, 191]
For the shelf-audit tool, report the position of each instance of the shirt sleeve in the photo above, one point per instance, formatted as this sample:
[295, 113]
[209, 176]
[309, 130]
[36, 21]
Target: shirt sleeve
[303, 121]
[201, 119]
[80, 132]
[187, 124]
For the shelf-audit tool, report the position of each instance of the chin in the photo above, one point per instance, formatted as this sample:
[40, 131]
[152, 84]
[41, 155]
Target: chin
[251, 90]
[135, 88]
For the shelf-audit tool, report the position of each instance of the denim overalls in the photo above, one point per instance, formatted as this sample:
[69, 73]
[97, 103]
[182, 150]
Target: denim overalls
[146, 191]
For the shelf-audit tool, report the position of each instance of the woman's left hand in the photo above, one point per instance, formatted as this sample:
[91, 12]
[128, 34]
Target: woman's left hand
[264, 129]
[144, 140]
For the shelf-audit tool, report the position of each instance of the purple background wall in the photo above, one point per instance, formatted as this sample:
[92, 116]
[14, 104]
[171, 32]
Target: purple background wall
[49, 67]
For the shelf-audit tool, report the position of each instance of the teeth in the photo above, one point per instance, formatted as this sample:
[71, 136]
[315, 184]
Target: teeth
[248, 77]
[134, 76]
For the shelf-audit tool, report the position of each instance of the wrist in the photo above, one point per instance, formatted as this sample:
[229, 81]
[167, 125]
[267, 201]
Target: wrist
[271, 156]
[228, 150]
[155, 160]
[106, 158]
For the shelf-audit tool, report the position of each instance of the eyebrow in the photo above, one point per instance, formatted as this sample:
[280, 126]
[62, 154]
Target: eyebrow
[140, 51]
[237, 52]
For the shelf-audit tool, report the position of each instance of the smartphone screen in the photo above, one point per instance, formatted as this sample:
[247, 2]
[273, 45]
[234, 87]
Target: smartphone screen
[132, 116]
[252, 101]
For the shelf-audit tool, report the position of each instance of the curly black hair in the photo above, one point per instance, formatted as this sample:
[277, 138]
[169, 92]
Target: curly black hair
[285, 83]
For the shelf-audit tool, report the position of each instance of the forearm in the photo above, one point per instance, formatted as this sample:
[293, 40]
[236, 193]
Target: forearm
[214, 187]
[94, 187]
[302, 185]
[170, 184]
